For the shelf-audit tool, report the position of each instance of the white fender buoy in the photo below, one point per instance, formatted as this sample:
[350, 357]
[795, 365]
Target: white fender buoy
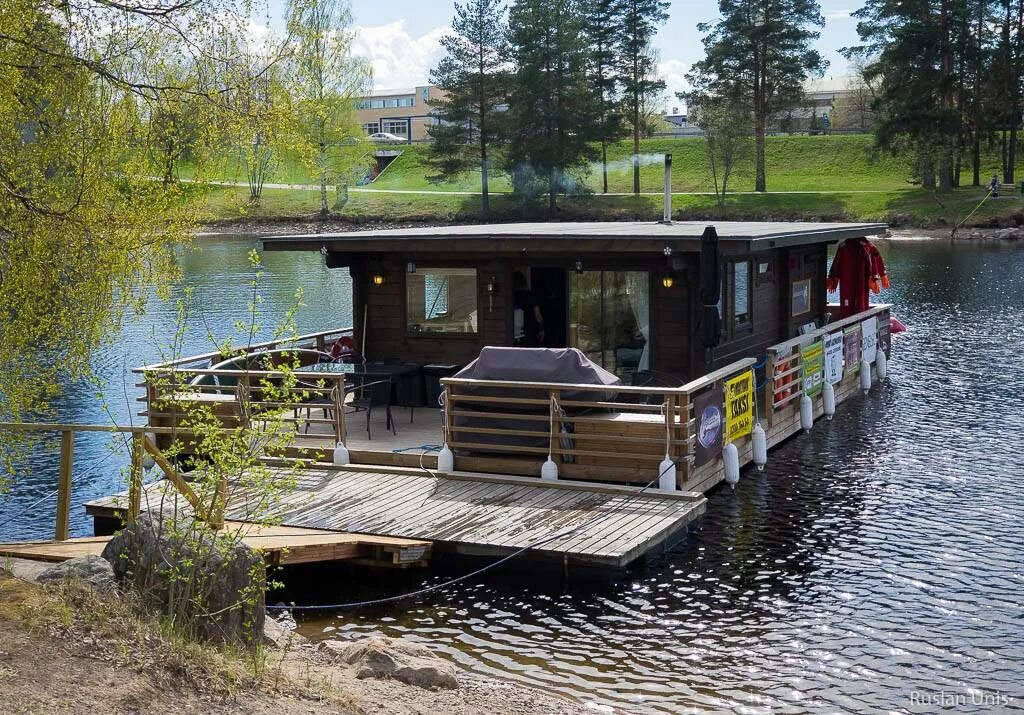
[549, 470]
[881, 365]
[759, 446]
[731, 460]
[828, 398]
[865, 376]
[667, 475]
[341, 455]
[806, 413]
[445, 460]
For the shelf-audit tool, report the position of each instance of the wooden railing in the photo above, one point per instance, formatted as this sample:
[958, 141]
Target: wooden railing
[308, 341]
[608, 433]
[140, 444]
[251, 399]
[784, 362]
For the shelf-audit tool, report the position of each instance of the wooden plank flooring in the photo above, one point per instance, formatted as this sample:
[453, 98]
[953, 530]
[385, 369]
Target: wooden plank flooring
[285, 545]
[478, 514]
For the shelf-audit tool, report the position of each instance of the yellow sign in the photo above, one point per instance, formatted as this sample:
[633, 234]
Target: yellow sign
[739, 406]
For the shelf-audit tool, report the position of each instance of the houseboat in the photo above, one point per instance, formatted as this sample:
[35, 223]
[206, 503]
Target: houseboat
[565, 390]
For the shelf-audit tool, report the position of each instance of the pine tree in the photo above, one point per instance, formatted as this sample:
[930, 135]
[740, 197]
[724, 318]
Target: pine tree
[551, 105]
[762, 48]
[473, 76]
[602, 19]
[911, 44]
[640, 20]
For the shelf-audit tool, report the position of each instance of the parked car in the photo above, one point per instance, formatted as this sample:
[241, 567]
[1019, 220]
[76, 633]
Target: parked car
[386, 138]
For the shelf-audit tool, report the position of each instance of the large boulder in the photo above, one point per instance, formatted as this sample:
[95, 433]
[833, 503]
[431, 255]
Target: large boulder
[92, 570]
[213, 585]
[382, 657]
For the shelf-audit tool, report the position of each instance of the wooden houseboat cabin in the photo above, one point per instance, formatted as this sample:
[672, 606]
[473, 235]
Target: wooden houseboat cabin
[627, 294]
[721, 341]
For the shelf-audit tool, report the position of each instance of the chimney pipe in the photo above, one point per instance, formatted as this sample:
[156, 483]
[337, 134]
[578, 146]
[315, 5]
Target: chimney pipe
[667, 218]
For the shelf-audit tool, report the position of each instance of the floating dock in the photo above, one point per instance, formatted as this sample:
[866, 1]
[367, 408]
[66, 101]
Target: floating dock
[283, 546]
[472, 514]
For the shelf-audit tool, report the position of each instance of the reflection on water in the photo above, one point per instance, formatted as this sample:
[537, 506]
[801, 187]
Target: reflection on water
[879, 556]
[219, 274]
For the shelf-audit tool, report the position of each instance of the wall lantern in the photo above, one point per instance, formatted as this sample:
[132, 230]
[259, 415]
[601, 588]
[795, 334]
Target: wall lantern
[579, 266]
[490, 292]
[411, 266]
[667, 280]
[378, 279]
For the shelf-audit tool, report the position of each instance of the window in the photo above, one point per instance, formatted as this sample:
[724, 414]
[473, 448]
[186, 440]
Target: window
[390, 103]
[406, 101]
[610, 319]
[363, 104]
[741, 292]
[371, 127]
[398, 127]
[441, 300]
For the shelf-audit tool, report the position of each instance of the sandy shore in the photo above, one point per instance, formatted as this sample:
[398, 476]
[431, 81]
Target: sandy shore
[62, 653]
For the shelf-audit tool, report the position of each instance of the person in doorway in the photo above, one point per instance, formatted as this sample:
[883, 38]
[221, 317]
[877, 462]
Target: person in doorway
[993, 186]
[529, 319]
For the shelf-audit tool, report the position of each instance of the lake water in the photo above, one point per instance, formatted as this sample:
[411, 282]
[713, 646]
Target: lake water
[876, 564]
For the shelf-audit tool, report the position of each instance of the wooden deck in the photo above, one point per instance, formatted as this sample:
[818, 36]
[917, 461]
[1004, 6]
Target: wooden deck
[597, 524]
[283, 545]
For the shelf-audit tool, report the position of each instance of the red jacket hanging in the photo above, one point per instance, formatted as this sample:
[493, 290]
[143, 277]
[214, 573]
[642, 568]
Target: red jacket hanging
[857, 268]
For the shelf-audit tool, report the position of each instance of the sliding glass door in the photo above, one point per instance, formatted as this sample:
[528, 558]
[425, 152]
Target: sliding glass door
[610, 319]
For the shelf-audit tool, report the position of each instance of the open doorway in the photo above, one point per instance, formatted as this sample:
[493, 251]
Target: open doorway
[540, 307]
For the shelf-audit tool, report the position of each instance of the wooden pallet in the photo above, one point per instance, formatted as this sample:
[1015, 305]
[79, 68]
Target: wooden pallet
[283, 545]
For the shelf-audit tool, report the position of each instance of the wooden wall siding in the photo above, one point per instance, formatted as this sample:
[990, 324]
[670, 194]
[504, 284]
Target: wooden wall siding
[800, 264]
[387, 336]
[672, 324]
[762, 329]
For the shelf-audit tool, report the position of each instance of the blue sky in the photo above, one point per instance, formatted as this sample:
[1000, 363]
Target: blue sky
[400, 37]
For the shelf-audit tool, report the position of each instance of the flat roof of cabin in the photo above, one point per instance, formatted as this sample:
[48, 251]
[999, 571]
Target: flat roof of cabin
[616, 236]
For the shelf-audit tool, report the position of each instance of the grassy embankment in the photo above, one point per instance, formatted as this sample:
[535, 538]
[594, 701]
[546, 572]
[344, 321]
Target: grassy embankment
[839, 177]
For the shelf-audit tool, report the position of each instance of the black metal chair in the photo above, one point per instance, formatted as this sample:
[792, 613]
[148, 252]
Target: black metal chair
[371, 391]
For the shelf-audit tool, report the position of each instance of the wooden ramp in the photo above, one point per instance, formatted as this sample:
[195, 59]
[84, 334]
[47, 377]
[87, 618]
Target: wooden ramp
[283, 545]
[477, 514]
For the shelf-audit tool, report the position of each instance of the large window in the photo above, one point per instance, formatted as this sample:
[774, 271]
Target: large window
[441, 300]
[398, 127]
[371, 127]
[610, 319]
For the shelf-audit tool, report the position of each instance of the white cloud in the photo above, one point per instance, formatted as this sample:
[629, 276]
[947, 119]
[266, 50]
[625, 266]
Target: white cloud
[674, 74]
[399, 60]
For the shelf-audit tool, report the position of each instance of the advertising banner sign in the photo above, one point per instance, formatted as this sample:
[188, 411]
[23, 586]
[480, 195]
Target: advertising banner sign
[710, 416]
[834, 357]
[813, 358]
[739, 406]
[869, 339]
[851, 349]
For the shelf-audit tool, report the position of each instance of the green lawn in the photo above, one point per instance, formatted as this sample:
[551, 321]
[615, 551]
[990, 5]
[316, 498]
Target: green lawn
[904, 206]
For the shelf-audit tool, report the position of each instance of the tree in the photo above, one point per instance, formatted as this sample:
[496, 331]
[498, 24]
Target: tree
[473, 76]
[640, 20]
[84, 235]
[326, 81]
[725, 122]
[551, 105]
[909, 44]
[602, 20]
[763, 48]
